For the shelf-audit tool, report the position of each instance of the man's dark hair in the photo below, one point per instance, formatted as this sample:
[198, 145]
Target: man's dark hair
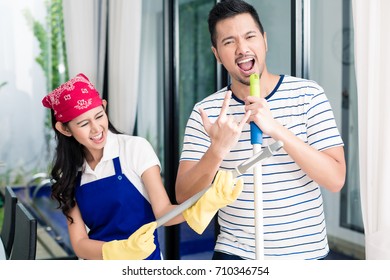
[230, 8]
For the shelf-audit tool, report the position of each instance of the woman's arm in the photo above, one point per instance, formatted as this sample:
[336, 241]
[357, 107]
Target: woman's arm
[158, 196]
[83, 246]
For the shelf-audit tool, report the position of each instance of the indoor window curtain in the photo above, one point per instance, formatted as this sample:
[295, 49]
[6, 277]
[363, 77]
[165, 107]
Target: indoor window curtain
[123, 62]
[85, 33]
[372, 60]
[85, 29]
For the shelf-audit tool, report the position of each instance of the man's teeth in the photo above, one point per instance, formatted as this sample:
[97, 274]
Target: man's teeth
[245, 60]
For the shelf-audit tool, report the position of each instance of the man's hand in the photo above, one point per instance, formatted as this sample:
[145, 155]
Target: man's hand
[225, 131]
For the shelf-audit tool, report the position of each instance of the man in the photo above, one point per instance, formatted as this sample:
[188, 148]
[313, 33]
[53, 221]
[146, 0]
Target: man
[290, 109]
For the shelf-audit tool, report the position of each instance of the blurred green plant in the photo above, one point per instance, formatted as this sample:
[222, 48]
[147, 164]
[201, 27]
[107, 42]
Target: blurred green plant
[2, 84]
[53, 60]
[51, 37]
[52, 57]
[13, 177]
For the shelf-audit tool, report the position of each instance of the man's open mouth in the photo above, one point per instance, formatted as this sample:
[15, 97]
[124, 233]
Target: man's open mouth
[246, 64]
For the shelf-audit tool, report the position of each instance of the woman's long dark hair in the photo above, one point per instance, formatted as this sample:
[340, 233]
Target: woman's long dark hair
[68, 160]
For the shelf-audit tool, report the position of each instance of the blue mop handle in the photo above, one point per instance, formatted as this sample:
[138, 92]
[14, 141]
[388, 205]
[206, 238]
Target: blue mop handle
[256, 133]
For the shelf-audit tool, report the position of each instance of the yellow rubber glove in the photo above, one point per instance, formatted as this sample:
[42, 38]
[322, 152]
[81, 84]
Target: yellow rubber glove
[137, 247]
[220, 194]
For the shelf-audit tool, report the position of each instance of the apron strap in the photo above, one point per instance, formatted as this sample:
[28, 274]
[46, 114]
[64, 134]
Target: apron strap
[117, 166]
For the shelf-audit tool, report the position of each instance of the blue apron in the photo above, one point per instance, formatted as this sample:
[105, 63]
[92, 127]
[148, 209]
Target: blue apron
[113, 208]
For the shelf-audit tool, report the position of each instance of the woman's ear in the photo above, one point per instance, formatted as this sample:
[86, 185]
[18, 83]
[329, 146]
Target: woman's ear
[63, 129]
[104, 104]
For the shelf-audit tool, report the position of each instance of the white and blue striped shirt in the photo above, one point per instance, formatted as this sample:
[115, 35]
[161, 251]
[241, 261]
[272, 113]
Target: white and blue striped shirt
[294, 222]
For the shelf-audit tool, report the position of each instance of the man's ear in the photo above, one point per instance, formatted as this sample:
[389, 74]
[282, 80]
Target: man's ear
[215, 52]
[265, 40]
[63, 129]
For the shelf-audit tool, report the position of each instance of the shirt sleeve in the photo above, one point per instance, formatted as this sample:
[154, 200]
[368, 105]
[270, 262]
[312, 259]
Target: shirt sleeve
[322, 131]
[143, 156]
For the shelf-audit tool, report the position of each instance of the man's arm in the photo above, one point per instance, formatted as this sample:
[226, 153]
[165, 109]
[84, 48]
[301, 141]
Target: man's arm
[194, 176]
[327, 167]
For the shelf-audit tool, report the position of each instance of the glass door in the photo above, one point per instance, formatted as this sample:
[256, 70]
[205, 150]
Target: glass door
[302, 41]
[332, 66]
[276, 19]
[189, 75]
[196, 79]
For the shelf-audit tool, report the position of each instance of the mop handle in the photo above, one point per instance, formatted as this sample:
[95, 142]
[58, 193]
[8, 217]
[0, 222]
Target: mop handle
[181, 207]
[239, 170]
[256, 141]
[256, 133]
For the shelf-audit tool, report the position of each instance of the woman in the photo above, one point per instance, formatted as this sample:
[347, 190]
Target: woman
[108, 184]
